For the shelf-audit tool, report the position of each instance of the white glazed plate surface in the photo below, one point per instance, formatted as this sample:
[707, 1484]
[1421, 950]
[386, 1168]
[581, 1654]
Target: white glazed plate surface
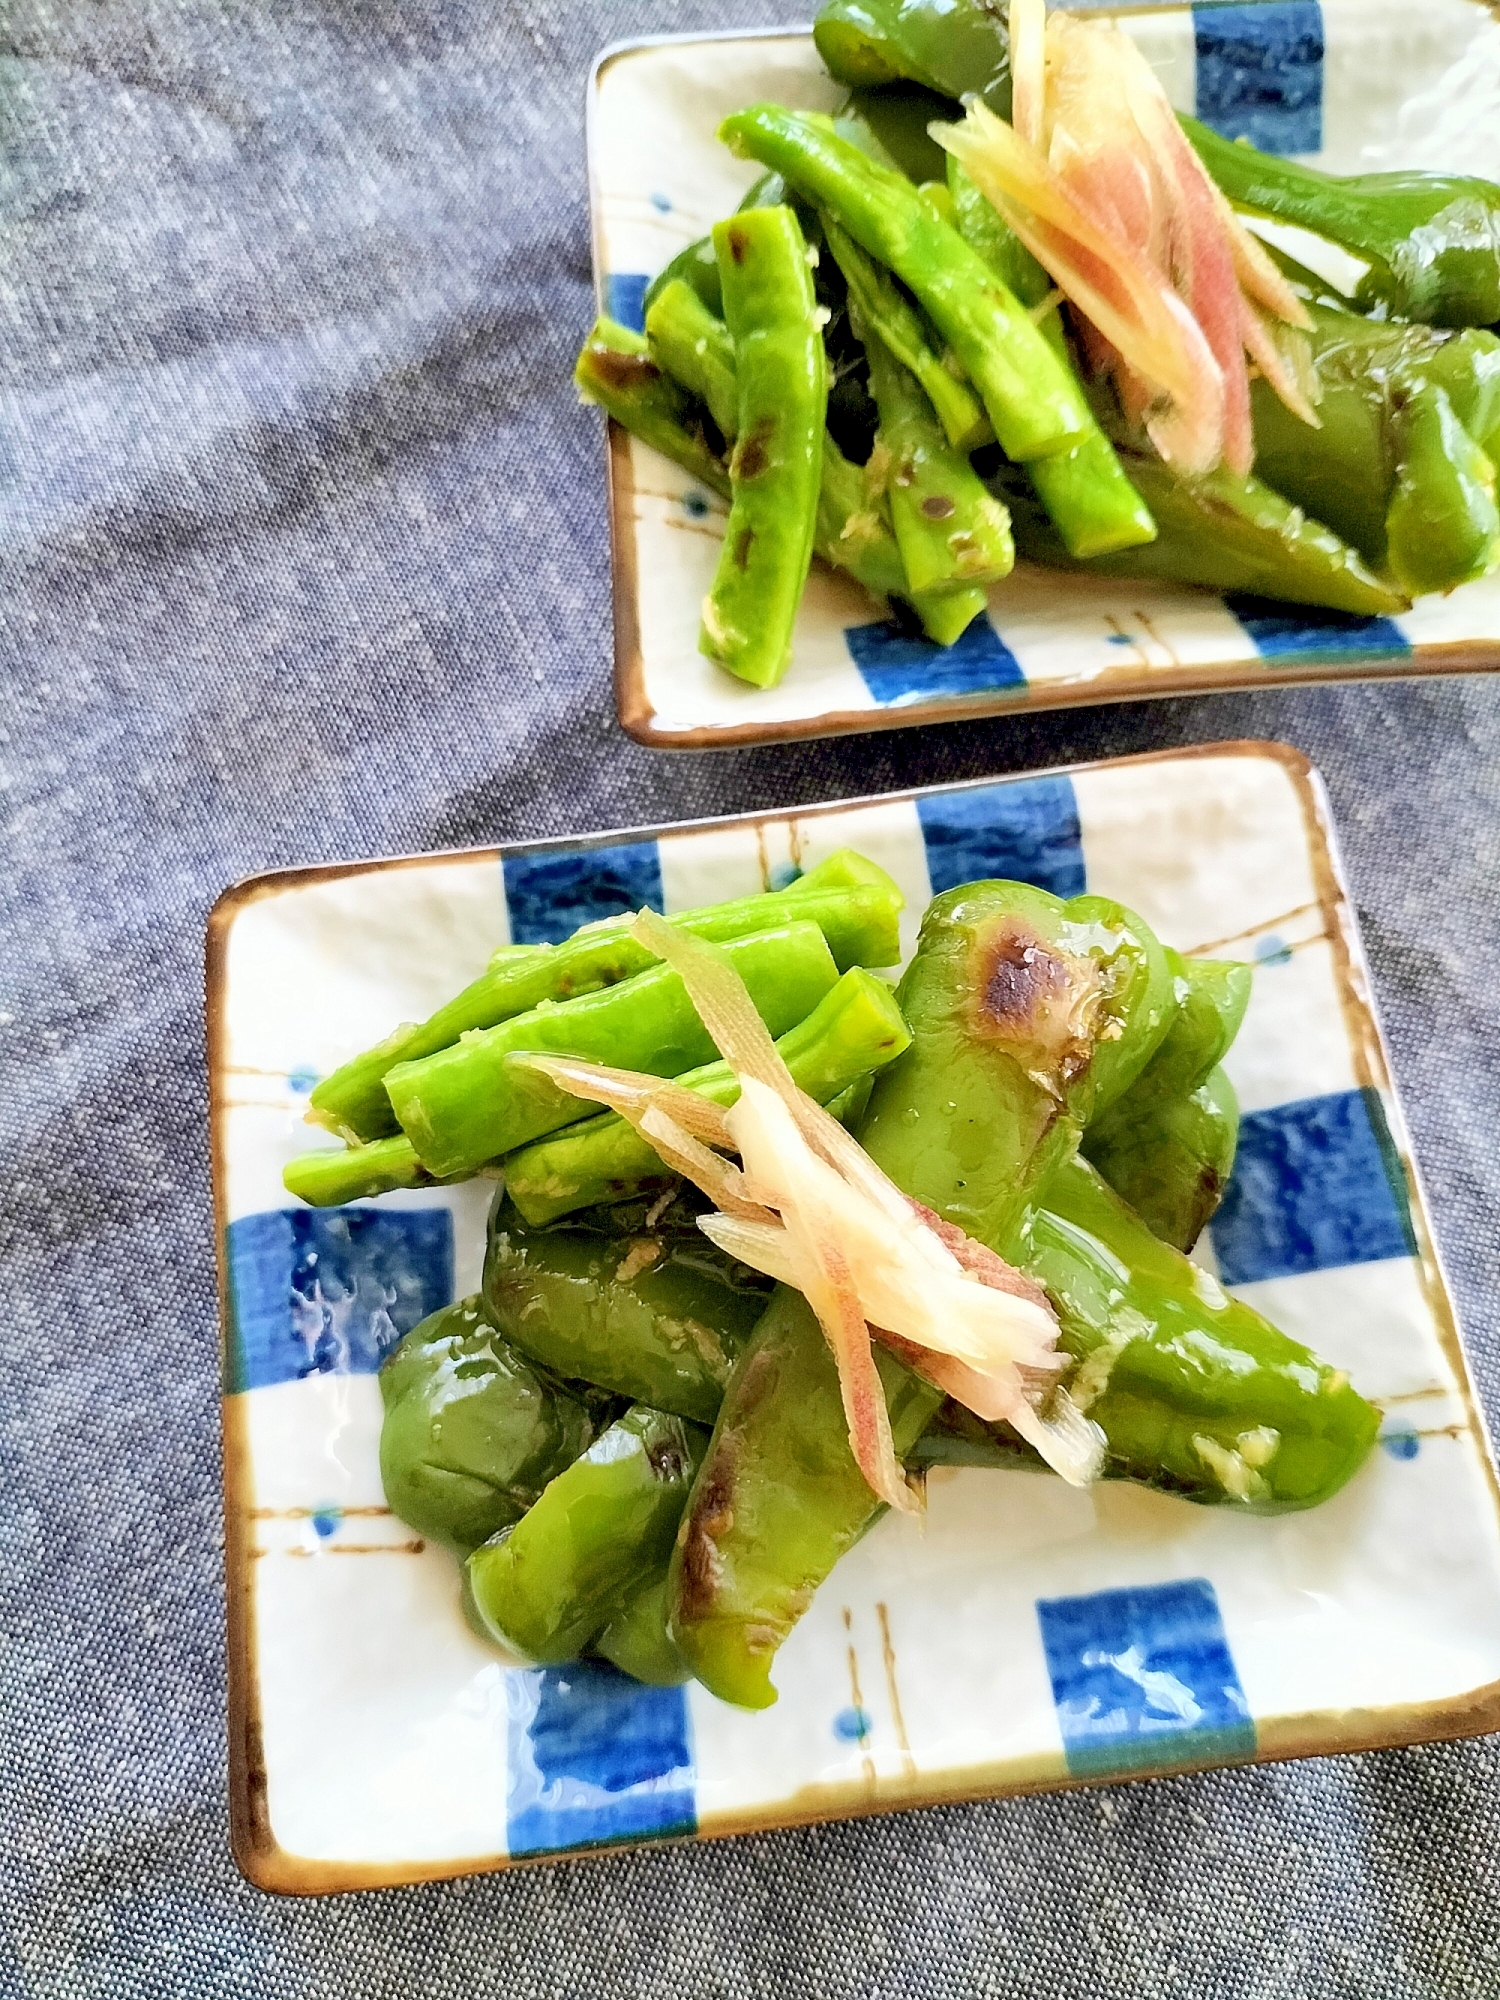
[1029, 1636]
[1350, 85]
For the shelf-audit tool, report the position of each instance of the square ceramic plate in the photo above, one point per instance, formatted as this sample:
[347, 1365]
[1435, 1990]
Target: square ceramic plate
[1031, 1636]
[1327, 83]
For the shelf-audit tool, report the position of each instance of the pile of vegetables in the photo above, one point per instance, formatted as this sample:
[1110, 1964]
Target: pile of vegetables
[1009, 301]
[772, 1238]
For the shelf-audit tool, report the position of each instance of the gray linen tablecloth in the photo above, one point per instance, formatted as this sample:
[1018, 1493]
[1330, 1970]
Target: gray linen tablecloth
[304, 557]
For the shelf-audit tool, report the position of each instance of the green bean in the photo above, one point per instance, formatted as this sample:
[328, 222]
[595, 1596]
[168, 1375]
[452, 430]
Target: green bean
[856, 905]
[333, 1175]
[953, 535]
[616, 372]
[693, 346]
[886, 314]
[1032, 401]
[469, 1103]
[853, 532]
[775, 468]
[1088, 498]
[855, 1029]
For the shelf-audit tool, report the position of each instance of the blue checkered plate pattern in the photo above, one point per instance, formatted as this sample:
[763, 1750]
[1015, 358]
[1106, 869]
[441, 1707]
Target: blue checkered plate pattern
[1349, 85]
[1028, 1635]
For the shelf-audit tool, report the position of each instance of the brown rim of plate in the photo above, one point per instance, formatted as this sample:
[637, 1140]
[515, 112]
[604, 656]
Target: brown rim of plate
[1325, 1732]
[1123, 683]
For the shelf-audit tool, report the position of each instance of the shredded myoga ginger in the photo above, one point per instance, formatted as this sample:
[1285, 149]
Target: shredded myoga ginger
[808, 1206]
[1173, 293]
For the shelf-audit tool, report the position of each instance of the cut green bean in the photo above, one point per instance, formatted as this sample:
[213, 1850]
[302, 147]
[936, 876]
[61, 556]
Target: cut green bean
[468, 1103]
[333, 1175]
[693, 346]
[775, 468]
[616, 372]
[952, 533]
[887, 314]
[1087, 496]
[853, 532]
[855, 1029]
[1034, 404]
[855, 904]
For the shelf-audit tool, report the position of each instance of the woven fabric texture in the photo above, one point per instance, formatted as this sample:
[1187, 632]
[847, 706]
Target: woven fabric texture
[303, 556]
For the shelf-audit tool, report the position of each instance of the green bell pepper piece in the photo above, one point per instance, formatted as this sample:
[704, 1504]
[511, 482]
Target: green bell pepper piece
[1010, 1055]
[776, 465]
[856, 1028]
[637, 1642]
[778, 1501]
[474, 1428]
[469, 1103]
[636, 1302]
[1194, 1391]
[1432, 241]
[547, 1586]
[1172, 1163]
[897, 116]
[1442, 526]
[1224, 532]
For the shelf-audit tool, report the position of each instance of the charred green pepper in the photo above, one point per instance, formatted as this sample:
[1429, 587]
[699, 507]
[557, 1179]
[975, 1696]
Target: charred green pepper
[547, 1586]
[952, 47]
[779, 1500]
[1027, 1013]
[1194, 1391]
[631, 1297]
[636, 1639]
[474, 1427]
[1167, 1145]
[1432, 241]
[1402, 463]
